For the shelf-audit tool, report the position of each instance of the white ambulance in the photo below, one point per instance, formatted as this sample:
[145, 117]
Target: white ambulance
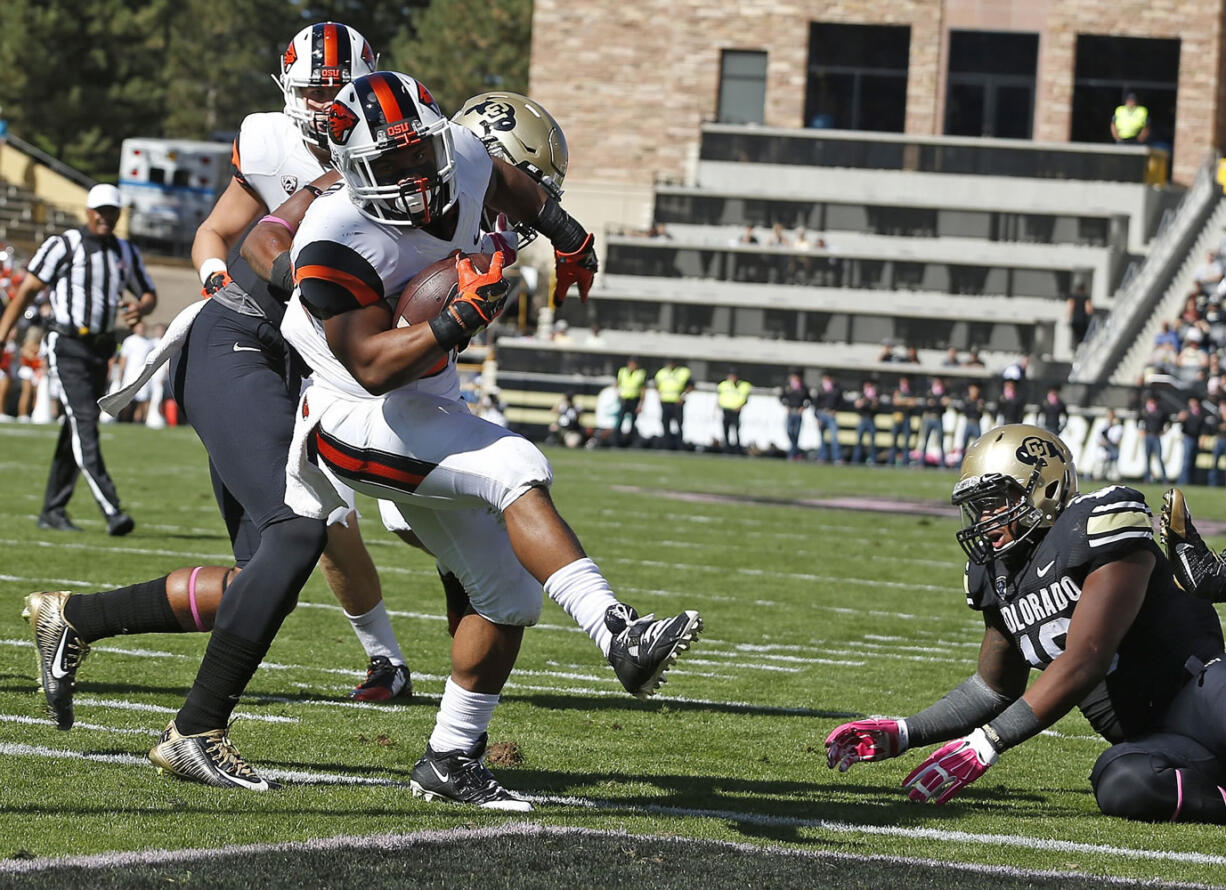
[170, 185]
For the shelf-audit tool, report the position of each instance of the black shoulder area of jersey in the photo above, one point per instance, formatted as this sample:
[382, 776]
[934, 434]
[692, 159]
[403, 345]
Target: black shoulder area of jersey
[1104, 526]
[977, 583]
[333, 278]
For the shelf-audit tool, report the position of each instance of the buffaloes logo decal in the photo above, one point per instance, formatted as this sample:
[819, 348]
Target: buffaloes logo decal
[341, 122]
[1036, 452]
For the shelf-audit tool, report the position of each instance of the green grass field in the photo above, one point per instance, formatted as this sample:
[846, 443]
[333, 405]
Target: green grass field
[814, 613]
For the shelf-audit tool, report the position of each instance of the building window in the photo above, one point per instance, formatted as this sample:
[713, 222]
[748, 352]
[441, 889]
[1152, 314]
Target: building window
[742, 87]
[857, 77]
[1108, 69]
[990, 86]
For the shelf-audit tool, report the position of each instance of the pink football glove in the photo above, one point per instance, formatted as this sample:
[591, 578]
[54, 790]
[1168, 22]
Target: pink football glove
[951, 768]
[865, 740]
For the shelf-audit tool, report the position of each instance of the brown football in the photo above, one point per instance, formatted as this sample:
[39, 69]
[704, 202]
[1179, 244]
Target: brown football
[433, 288]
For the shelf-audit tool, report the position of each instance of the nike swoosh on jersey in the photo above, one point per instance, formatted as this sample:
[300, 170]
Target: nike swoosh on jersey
[238, 348]
[442, 777]
[1043, 570]
[56, 670]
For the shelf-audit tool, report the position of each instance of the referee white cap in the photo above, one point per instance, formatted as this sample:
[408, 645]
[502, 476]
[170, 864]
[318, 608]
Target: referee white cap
[103, 195]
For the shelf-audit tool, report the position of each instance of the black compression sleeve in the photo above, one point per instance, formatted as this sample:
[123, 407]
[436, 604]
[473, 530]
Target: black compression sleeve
[282, 274]
[562, 229]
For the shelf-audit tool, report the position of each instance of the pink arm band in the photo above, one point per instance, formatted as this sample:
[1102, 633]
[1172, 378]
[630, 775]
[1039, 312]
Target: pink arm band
[279, 221]
[191, 598]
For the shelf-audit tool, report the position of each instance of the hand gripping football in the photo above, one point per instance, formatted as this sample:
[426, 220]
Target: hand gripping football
[433, 288]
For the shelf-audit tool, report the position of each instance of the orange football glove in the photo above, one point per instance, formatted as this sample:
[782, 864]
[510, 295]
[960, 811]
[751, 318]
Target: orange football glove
[215, 282]
[481, 298]
[578, 268]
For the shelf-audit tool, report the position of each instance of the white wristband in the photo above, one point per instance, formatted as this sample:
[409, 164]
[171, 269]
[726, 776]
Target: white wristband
[210, 267]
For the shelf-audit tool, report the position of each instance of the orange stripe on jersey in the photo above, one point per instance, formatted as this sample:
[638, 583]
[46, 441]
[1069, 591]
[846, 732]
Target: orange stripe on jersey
[361, 291]
[359, 467]
[234, 155]
[388, 103]
[331, 41]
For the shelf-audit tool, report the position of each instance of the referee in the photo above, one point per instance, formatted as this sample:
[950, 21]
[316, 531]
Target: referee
[87, 270]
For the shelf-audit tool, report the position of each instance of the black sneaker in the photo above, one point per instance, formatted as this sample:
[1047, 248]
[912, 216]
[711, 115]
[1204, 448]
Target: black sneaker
[119, 525]
[206, 757]
[1197, 569]
[461, 777]
[59, 651]
[384, 680]
[57, 521]
[643, 648]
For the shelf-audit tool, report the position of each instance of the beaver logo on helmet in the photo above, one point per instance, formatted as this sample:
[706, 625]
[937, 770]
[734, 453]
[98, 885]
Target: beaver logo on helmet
[341, 122]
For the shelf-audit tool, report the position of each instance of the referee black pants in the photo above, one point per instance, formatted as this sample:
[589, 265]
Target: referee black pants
[80, 366]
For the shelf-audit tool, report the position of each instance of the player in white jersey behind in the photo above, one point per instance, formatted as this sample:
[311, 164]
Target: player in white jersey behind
[416, 187]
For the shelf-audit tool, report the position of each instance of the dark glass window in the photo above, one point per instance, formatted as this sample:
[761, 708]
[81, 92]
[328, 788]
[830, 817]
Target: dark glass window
[1108, 68]
[742, 87]
[990, 88]
[857, 77]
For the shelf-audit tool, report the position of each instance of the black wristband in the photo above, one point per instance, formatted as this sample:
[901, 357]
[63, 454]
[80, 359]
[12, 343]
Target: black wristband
[562, 229]
[314, 190]
[282, 274]
[447, 330]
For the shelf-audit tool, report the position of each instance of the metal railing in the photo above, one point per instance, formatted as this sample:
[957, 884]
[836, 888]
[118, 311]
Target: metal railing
[1100, 353]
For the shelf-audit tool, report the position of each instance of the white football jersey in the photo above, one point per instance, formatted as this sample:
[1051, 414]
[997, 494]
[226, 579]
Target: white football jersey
[273, 159]
[392, 254]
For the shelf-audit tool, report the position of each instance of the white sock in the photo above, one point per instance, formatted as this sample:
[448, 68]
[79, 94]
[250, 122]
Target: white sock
[374, 630]
[462, 717]
[585, 595]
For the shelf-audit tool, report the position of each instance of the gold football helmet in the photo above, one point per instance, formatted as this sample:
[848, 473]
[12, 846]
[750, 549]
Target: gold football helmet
[1017, 477]
[521, 132]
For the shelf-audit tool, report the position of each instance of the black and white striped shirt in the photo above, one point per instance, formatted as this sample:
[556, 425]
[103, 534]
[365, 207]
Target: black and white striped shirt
[87, 275]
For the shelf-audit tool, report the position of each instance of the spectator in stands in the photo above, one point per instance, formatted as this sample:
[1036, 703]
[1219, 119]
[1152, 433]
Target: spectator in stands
[1017, 371]
[951, 358]
[1078, 311]
[10, 361]
[631, 380]
[972, 359]
[1192, 359]
[800, 240]
[1195, 425]
[1054, 411]
[935, 401]
[867, 404]
[565, 428]
[594, 337]
[1218, 427]
[1167, 337]
[1109, 438]
[1213, 376]
[1130, 121]
[887, 355]
[659, 230]
[972, 407]
[747, 236]
[777, 237]
[795, 397]
[673, 384]
[1011, 406]
[732, 393]
[903, 401]
[132, 353]
[911, 356]
[827, 401]
[561, 331]
[1153, 424]
[492, 410]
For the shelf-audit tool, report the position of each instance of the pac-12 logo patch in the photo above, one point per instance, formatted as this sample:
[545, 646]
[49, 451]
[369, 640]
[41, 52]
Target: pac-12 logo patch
[290, 184]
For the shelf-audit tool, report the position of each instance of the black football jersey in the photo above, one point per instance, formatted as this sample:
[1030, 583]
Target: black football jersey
[1035, 597]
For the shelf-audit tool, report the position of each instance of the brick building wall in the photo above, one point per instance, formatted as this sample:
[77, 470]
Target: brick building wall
[632, 80]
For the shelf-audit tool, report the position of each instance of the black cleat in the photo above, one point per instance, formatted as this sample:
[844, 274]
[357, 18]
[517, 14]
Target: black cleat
[1197, 569]
[59, 650]
[57, 521]
[461, 777]
[119, 525]
[643, 648]
[209, 758]
[384, 680]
